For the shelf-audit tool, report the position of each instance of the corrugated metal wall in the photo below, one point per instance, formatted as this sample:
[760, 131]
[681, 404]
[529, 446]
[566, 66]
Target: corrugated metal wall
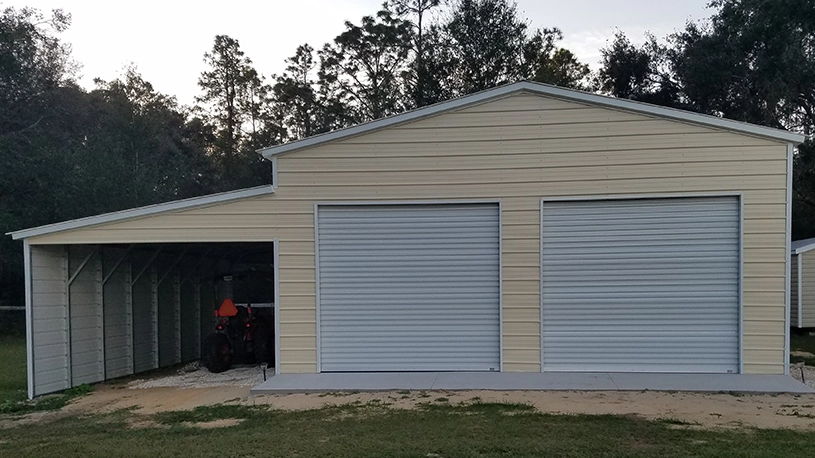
[104, 325]
[409, 288]
[808, 289]
[49, 272]
[117, 296]
[518, 149]
[641, 285]
[85, 307]
[794, 290]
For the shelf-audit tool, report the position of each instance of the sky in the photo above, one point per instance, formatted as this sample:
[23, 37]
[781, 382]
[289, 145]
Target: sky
[166, 39]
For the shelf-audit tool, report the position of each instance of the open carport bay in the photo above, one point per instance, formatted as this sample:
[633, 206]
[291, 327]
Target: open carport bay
[106, 311]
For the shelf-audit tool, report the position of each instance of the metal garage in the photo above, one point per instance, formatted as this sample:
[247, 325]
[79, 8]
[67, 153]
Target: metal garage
[802, 284]
[409, 287]
[526, 228]
[641, 285]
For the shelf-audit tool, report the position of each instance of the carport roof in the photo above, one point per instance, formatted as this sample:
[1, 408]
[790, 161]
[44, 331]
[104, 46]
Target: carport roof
[543, 90]
[140, 212]
[800, 246]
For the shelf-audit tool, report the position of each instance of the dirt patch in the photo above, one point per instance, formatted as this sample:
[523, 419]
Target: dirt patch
[214, 424]
[693, 409]
[106, 399]
[144, 423]
[802, 354]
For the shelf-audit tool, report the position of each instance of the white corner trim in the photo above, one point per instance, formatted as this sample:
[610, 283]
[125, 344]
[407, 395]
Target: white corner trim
[29, 319]
[540, 89]
[788, 261]
[143, 211]
[276, 269]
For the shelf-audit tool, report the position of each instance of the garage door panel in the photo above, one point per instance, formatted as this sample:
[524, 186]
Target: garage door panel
[641, 285]
[409, 287]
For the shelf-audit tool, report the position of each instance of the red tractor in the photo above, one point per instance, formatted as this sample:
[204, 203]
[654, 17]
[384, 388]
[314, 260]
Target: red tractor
[240, 337]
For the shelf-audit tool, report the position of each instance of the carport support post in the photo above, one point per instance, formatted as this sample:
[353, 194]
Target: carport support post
[100, 299]
[154, 313]
[177, 315]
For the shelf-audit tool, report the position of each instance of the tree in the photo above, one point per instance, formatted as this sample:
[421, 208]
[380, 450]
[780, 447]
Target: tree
[299, 100]
[555, 65]
[236, 101]
[489, 43]
[639, 73]
[34, 63]
[363, 67]
[417, 9]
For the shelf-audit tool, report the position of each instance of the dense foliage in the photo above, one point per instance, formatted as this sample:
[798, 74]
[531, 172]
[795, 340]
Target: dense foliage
[68, 152]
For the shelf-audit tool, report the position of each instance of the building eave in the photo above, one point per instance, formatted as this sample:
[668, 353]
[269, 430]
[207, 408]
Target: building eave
[141, 212]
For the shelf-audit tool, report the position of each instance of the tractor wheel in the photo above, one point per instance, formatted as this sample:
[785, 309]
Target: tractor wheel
[260, 345]
[217, 354]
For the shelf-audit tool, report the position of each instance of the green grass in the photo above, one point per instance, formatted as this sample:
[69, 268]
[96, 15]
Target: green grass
[802, 341]
[13, 390]
[13, 373]
[354, 430]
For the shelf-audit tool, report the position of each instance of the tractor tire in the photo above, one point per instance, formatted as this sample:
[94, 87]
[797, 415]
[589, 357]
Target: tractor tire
[217, 354]
[260, 345]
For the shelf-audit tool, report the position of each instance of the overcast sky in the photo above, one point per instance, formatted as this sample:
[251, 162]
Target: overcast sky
[167, 39]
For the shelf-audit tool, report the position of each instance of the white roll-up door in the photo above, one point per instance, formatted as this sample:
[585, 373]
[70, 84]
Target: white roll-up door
[408, 287]
[648, 285]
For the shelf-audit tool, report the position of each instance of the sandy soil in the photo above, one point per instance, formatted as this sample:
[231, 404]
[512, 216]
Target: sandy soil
[699, 410]
[191, 386]
[194, 376]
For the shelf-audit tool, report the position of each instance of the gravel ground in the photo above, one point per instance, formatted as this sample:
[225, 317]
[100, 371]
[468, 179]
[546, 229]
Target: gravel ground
[809, 374]
[195, 376]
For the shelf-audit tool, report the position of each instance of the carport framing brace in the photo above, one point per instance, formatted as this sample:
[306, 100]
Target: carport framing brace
[737, 195]
[102, 280]
[497, 202]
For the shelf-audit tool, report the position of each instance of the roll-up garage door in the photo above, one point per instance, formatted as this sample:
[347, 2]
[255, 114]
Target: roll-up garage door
[408, 287]
[647, 285]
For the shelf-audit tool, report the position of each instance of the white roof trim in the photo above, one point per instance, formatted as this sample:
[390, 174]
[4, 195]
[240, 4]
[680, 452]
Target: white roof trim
[802, 246]
[142, 211]
[542, 89]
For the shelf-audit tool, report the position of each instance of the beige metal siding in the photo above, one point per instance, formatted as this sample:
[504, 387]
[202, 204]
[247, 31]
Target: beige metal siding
[808, 289]
[794, 291]
[517, 149]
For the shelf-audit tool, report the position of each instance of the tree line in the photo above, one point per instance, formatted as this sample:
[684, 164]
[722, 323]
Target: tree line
[68, 152]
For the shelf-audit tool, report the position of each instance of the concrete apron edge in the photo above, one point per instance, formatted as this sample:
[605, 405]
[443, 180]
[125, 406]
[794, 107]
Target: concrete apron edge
[373, 383]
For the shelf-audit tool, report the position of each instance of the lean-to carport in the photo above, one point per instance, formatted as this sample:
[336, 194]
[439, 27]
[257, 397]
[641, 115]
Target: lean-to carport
[98, 311]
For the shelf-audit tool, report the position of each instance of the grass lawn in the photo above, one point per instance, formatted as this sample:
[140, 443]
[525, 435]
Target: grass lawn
[439, 430]
[13, 373]
[802, 341]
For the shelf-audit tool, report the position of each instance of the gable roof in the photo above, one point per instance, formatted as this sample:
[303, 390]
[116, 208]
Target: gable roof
[140, 212]
[539, 89]
[801, 246]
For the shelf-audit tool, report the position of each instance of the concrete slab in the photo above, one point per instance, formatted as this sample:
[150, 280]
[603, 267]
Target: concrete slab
[709, 383]
[511, 381]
